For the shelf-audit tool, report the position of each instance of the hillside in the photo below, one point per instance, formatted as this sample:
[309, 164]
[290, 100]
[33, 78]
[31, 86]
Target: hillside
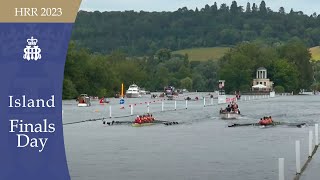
[215, 25]
[203, 54]
[315, 51]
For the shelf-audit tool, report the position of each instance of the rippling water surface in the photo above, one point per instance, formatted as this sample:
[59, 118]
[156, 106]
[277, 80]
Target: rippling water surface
[201, 148]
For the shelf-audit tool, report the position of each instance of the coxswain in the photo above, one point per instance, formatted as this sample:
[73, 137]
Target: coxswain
[137, 119]
[140, 119]
[261, 122]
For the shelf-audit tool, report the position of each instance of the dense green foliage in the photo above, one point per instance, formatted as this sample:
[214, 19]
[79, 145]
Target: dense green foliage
[143, 33]
[288, 66]
[111, 48]
[102, 75]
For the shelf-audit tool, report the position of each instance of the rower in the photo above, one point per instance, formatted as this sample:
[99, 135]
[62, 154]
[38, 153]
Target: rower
[140, 121]
[144, 119]
[148, 118]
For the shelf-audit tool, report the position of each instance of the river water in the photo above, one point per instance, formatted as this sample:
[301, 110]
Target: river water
[201, 148]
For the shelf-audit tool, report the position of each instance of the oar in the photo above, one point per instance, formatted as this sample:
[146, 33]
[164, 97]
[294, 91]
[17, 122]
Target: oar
[84, 121]
[167, 123]
[117, 122]
[245, 124]
[299, 125]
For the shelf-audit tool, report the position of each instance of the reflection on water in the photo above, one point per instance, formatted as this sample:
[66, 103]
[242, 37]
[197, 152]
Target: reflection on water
[202, 148]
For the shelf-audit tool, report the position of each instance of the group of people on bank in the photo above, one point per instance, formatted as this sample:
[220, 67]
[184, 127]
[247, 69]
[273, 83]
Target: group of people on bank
[147, 118]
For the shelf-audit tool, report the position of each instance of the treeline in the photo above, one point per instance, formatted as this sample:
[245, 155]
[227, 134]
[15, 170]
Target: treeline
[102, 75]
[143, 33]
[288, 66]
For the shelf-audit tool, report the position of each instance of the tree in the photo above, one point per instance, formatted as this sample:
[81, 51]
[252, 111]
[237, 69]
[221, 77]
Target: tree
[254, 8]
[186, 83]
[263, 8]
[214, 7]
[248, 8]
[286, 75]
[281, 10]
[163, 54]
[296, 52]
[234, 7]
[279, 89]
[198, 82]
[69, 90]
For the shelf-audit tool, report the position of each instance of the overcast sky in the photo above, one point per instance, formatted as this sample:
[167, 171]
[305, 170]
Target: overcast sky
[307, 6]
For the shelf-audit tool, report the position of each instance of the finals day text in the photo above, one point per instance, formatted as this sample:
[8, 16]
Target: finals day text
[24, 129]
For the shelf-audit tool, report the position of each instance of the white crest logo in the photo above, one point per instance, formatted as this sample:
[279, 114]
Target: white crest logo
[32, 51]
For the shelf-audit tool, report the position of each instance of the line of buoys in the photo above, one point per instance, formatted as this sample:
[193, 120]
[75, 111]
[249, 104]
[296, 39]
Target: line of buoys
[144, 103]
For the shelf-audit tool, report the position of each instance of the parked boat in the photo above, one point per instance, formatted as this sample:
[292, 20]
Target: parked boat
[229, 115]
[84, 100]
[133, 91]
[117, 95]
[170, 90]
[143, 91]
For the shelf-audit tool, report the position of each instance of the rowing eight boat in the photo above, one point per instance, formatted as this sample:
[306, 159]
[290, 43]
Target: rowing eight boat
[142, 124]
[299, 125]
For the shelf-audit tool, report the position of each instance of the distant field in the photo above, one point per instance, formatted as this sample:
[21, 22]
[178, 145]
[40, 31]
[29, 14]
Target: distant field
[203, 54]
[315, 51]
[215, 53]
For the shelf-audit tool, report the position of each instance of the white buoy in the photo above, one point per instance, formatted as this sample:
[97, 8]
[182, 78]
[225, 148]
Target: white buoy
[110, 111]
[162, 104]
[316, 134]
[204, 102]
[186, 104]
[281, 168]
[298, 167]
[148, 107]
[175, 105]
[131, 110]
[310, 143]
